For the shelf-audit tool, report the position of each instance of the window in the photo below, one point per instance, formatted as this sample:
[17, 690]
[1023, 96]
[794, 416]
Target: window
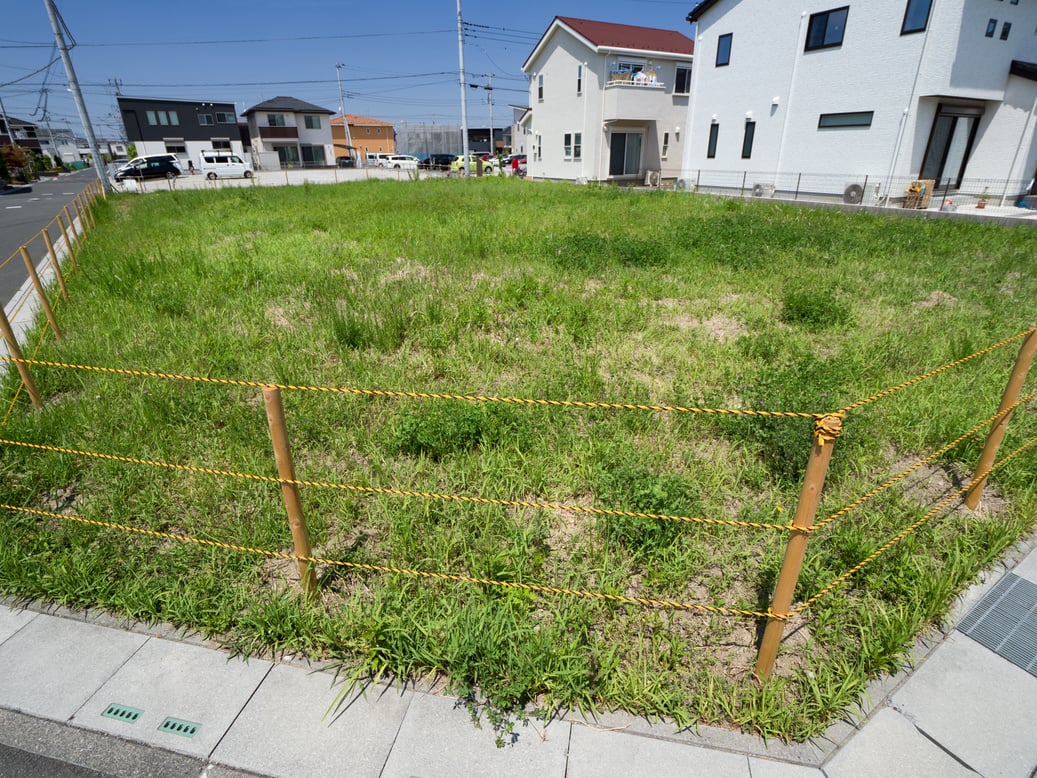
[540, 87]
[682, 81]
[950, 143]
[666, 145]
[747, 139]
[577, 145]
[916, 16]
[579, 79]
[312, 122]
[162, 118]
[624, 153]
[711, 149]
[852, 119]
[536, 149]
[826, 29]
[275, 120]
[1005, 29]
[568, 143]
[223, 117]
[991, 26]
[175, 146]
[205, 119]
[724, 49]
[221, 144]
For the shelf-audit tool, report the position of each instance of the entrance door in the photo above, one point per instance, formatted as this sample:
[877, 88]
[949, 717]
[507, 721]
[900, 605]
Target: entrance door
[950, 144]
[625, 154]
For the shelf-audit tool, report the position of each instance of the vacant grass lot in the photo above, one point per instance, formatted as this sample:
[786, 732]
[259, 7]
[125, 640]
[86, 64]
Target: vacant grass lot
[506, 288]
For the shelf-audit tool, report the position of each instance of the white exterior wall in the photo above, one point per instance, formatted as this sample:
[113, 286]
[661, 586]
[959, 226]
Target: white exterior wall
[787, 89]
[320, 137]
[599, 110]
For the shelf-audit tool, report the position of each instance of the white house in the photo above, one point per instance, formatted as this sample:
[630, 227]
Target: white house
[299, 132]
[862, 98]
[607, 101]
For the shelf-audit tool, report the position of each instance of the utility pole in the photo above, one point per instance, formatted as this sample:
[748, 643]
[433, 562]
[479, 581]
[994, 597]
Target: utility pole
[342, 109]
[464, 97]
[77, 95]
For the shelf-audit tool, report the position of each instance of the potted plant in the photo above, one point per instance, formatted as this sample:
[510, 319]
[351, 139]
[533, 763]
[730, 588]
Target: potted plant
[983, 198]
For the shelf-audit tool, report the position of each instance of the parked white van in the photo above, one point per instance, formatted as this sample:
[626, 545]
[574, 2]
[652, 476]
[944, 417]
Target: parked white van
[223, 164]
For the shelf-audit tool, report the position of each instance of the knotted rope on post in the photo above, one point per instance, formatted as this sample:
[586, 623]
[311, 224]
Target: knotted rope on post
[828, 428]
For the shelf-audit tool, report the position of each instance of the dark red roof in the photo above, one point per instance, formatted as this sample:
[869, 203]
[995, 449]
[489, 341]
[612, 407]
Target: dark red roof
[627, 36]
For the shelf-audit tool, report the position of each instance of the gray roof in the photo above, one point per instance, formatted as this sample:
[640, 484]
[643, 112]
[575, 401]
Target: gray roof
[287, 105]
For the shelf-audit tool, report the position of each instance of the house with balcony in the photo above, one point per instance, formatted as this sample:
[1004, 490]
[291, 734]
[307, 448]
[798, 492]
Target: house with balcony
[163, 125]
[298, 132]
[19, 132]
[861, 99]
[607, 101]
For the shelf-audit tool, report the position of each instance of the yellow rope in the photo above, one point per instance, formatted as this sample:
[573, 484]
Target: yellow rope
[457, 577]
[931, 373]
[904, 533]
[904, 473]
[414, 395]
[396, 492]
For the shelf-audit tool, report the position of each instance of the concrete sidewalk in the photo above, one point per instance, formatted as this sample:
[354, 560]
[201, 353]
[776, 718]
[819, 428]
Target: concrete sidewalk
[113, 697]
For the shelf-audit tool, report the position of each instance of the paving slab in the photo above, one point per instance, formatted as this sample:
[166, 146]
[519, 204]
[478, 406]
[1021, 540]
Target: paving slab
[977, 705]
[889, 744]
[284, 729]
[438, 738]
[51, 666]
[767, 768]
[1028, 568]
[12, 620]
[594, 753]
[189, 683]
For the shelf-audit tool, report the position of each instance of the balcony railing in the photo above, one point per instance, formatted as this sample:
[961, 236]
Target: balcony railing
[628, 78]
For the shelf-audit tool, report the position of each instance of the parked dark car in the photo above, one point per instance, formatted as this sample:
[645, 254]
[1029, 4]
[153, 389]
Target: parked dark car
[437, 162]
[158, 166]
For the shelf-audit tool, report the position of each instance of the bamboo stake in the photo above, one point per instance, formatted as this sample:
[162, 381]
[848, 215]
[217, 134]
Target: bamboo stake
[55, 264]
[1000, 425]
[88, 211]
[289, 490]
[16, 354]
[83, 224]
[72, 229]
[68, 244]
[44, 301]
[826, 430]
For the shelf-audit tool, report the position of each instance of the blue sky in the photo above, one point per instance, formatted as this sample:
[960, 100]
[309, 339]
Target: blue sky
[399, 61]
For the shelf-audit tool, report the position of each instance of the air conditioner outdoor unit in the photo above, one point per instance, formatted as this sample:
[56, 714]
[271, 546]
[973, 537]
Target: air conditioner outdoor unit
[853, 194]
[683, 185]
[652, 178]
[759, 190]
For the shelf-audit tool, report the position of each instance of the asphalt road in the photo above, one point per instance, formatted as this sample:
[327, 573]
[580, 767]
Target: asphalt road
[23, 215]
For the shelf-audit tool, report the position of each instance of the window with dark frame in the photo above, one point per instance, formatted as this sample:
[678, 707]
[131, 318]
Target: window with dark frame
[724, 49]
[682, 81]
[275, 120]
[579, 79]
[826, 29]
[205, 119]
[312, 122]
[540, 87]
[567, 142]
[1005, 29]
[991, 27]
[577, 145]
[847, 119]
[916, 16]
[224, 117]
[666, 145]
[711, 148]
[747, 139]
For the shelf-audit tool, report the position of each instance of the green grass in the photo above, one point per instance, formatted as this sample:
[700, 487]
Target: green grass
[506, 288]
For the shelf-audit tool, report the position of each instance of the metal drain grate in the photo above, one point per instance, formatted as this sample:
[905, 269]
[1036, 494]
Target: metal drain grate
[179, 727]
[1005, 621]
[122, 713]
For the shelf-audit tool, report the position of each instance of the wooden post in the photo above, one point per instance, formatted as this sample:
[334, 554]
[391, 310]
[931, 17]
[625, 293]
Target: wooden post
[56, 265]
[16, 354]
[44, 302]
[84, 209]
[1000, 426]
[84, 225]
[72, 229]
[826, 430]
[68, 244]
[290, 491]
